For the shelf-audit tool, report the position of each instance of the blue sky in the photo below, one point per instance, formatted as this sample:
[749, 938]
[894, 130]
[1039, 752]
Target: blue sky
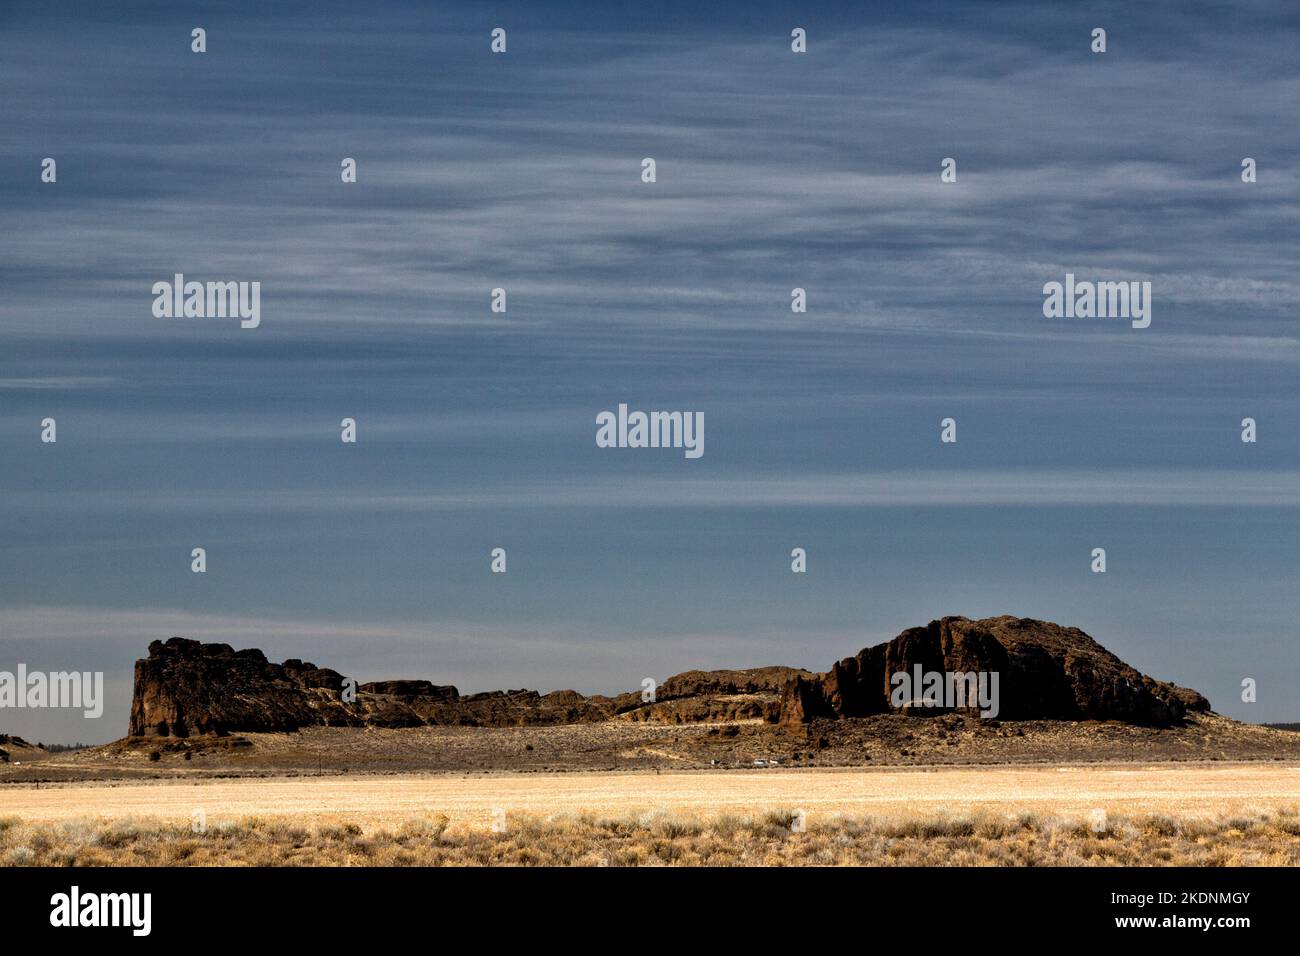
[477, 430]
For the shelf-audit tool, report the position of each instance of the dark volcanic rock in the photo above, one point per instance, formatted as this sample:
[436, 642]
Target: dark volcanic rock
[184, 689]
[410, 688]
[756, 680]
[187, 689]
[804, 699]
[1045, 672]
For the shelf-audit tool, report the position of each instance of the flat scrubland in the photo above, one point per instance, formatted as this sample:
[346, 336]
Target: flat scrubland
[777, 838]
[889, 740]
[887, 790]
[1171, 814]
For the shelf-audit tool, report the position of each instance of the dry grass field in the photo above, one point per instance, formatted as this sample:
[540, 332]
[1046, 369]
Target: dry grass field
[1189, 814]
[879, 791]
[1269, 838]
[884, 741]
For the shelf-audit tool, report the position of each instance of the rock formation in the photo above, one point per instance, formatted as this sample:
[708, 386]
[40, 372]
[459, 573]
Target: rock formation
[185, 688]
[1045, 672]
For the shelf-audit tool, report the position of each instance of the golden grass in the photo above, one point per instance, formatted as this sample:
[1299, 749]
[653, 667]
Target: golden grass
[1265, 838]
[388, 800]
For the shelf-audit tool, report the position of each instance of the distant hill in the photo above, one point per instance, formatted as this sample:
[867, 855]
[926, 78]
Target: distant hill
[15, 747]
[1046, 671]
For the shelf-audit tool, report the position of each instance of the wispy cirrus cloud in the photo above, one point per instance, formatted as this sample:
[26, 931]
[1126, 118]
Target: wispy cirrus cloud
[938, 488]
[55, 383]
[775, 171]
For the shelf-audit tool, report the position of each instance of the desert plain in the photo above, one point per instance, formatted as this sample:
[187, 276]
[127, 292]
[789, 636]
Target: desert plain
[891, 790]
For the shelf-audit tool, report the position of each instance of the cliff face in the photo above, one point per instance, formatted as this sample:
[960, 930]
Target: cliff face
[1045, 672]
[184, 688]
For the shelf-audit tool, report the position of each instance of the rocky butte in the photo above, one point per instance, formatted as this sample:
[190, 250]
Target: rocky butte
[1047, 672]
[185, 688]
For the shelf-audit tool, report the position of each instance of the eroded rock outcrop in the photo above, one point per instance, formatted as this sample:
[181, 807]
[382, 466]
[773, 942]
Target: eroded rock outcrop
[695, 696]
[1045, 672]
[185, 688]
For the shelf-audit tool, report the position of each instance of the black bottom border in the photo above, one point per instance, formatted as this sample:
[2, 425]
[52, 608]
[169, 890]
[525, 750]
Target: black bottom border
[330, 905]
